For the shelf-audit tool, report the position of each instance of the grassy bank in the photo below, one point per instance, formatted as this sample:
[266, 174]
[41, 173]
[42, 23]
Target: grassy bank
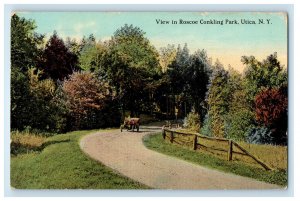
[275, 156]
[156, 142]
[60, 164]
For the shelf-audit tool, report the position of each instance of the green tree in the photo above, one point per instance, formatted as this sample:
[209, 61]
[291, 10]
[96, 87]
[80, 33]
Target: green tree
[131, 64]
[92, 57]
[266, 74]
[177, 79]
[73, 46]
[197, 75]
[49, 113]
[35, 103]
[166, 56]
[218, 100]
[25, 43]
[20, 99]
[240, 116]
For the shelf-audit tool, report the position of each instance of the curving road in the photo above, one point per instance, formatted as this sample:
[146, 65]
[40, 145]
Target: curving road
[125, 153]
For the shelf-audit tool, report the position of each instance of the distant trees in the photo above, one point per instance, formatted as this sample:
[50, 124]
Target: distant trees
[188, 77]
[252, 106]
[166, 56]
[176, 70]
[196, 77]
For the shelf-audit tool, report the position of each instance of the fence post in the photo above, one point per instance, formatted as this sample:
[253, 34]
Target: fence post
[229, 155]
[164, 134]
[171, 137]
[195, 142]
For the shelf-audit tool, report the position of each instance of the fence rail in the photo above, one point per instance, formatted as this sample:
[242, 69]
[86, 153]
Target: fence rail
[197, 145]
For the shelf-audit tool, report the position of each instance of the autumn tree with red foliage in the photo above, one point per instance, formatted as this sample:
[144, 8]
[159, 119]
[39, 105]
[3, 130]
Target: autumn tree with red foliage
[57, 61]
[271, 111]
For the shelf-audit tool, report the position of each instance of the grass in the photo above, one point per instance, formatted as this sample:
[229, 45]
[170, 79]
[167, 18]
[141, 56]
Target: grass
[273, 155]
[156, 142]
[60, 164]
[25, 142]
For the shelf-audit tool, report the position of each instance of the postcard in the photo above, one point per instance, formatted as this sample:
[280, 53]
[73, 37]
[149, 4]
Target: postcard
[149, 100]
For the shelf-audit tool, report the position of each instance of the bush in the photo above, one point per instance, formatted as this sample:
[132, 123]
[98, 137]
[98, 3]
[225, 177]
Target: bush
[24, 142]
[271, 111]
[92, 102]
[259, 135]
[206, 128]
[237, 124]
[192, 121]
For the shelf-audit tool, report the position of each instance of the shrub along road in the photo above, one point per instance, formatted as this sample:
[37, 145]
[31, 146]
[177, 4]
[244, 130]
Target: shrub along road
[126, 153]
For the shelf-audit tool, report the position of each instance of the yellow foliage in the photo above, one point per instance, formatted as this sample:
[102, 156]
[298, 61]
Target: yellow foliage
[42, 88]
[27, 139]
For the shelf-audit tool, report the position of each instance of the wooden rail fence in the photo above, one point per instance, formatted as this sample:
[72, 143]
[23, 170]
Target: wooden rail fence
[196, 144]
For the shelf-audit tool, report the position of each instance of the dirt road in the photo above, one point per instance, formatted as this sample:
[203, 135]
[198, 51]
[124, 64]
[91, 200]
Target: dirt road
[125, 153]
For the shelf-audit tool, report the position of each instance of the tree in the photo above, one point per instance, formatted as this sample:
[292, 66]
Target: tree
[259, 76]
[48, 112]
[31, 98]
[35, 104]
[73, 46]
[25, 43]
[58, 62]
[177, 68]
[197, 75]
[135, 48]
[92, 57]
[240, 117]
[177, 78]
[130, 65]
[20, 99]
[265, 74]
[88, 97]
[271, 112]
[218, 100]
[166, 56]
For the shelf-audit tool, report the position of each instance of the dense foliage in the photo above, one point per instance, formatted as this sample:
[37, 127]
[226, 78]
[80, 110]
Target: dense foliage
[57, 60]
[59, 85]
[87, 98]
[25, 44]
[192, 121]
[271, 112]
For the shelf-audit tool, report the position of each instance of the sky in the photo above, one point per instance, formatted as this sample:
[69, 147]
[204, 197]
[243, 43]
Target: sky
[226, 42]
